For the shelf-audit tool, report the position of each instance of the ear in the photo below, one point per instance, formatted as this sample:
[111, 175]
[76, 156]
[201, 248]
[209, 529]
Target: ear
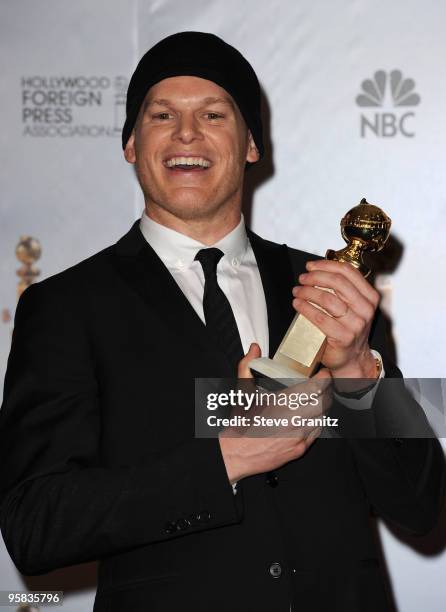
[129, 151]
[252, 155]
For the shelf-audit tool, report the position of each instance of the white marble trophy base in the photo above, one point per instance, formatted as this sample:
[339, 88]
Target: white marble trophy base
[274, 375]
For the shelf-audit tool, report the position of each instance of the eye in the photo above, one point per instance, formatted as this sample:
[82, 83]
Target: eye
[213, 116]
[161, 116]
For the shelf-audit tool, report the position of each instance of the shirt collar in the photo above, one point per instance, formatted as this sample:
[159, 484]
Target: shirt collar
[178, 250]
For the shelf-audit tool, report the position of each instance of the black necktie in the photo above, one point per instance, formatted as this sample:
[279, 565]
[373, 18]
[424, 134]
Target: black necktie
[218, 314]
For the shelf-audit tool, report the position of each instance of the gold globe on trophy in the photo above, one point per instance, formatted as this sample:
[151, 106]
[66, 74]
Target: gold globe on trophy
[365, 228]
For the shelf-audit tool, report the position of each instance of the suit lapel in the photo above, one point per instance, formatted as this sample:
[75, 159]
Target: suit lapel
[142, 269]
[277, 278]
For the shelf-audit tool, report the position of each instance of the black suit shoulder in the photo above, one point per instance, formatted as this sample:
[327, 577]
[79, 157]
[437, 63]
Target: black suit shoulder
[294, 253]
[78, 275]
[299, 254]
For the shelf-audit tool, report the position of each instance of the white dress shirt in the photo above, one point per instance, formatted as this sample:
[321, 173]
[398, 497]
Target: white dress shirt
[237, 274]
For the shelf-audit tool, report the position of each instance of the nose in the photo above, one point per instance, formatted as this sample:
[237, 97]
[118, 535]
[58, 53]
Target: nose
[187, 129]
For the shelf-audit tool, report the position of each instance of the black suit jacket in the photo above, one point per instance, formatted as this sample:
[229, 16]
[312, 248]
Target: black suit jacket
[99, 460]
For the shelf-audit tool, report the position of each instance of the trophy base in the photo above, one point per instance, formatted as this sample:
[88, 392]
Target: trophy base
[273, 375]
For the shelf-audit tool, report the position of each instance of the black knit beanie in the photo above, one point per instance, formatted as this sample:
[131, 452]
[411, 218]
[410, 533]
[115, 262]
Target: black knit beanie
[202, 55]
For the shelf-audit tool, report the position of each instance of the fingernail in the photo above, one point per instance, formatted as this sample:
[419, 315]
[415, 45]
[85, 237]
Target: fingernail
[302, 276]
[310, 265]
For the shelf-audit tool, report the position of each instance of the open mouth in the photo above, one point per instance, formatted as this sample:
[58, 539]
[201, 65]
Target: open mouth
[187, 164]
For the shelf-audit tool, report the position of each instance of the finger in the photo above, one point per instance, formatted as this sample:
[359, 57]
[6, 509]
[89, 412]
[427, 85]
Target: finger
[344, 289]
[243, 366]
[337, 308]
[343, 331]
[349, 272]
[330, 302]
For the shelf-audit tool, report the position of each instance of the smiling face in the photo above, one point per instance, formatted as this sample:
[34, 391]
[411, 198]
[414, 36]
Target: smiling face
[190, 145]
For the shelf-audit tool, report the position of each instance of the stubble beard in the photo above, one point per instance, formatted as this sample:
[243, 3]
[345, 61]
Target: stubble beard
[190, 209]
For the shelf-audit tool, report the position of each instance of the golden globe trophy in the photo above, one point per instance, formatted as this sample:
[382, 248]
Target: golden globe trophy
[364, 228]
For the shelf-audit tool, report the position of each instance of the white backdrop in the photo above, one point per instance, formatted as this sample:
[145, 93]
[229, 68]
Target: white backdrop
[63, 72]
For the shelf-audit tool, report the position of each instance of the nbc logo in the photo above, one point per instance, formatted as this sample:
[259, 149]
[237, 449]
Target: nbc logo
[387, 90]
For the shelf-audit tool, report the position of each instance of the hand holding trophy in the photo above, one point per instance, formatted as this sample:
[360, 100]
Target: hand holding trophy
[365, 228]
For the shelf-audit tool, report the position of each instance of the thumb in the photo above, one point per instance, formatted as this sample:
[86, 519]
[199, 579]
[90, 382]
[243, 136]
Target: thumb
[243, 366]
[324, 379]
[324, 373]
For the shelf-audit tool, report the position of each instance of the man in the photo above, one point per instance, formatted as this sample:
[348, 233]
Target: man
[100, 386]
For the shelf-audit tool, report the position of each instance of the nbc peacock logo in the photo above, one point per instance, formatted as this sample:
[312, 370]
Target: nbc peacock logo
[387, 90]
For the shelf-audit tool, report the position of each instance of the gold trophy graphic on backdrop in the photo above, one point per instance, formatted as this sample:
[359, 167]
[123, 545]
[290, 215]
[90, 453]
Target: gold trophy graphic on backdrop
[364, 228]
[27, 251]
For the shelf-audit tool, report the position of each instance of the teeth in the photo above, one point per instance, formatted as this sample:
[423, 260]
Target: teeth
[187, 161]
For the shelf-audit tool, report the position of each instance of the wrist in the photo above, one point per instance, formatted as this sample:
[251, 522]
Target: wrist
[366, 365]
[358, 376]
